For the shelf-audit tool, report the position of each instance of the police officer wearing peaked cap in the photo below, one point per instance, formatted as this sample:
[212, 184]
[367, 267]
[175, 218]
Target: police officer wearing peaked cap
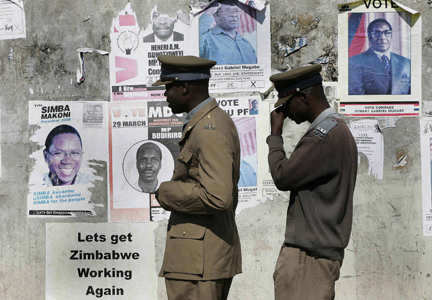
[202, 252]
[320, 175]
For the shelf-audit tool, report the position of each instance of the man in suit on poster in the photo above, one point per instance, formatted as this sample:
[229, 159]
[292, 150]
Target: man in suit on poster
[378, 71]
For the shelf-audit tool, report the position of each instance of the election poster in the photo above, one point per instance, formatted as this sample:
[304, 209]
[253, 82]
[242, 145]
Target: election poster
[291, 134]
[426, 171]
[133, 59]
[331, 91]
[143, 143]
[237, 37]
[379, 59]
[102, 260]
[370, 141]
[69, 158]
[244, 111]
[12, 20]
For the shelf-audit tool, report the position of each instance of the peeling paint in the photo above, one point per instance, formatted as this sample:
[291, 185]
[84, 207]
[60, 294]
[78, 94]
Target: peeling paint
[403, 159]
[428, 41]
[10, 55]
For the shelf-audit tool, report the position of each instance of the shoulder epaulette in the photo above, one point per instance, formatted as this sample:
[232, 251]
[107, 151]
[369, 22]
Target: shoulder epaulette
[323, 128]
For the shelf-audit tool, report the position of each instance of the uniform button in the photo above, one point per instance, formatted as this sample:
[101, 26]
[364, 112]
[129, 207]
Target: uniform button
[181, 157]
[189, 128]
[208, 116]
[184, 233]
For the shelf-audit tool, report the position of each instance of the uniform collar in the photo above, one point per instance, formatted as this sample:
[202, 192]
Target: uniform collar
[324, 115]
[193, 111]
[198, 115]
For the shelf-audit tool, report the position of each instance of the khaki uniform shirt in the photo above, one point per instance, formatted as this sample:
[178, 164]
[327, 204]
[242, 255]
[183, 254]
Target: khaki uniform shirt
[202, 240]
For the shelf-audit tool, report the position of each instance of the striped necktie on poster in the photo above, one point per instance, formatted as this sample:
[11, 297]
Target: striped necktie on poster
[386, 62]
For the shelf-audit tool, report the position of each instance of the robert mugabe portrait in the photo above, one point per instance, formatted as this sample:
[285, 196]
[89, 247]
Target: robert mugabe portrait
[222, 42]
[378, 71]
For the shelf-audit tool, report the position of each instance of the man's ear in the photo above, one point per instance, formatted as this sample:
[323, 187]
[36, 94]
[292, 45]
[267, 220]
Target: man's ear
[184, 88]
[45, 153]
[304, 97]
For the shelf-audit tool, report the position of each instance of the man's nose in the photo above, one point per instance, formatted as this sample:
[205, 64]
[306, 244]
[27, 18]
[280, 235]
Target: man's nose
[67, 159]
[163, 20]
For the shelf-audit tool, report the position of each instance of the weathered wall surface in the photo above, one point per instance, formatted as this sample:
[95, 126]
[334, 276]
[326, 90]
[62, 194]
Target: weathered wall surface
[388, 257]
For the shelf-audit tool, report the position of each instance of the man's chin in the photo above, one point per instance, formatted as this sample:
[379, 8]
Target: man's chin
[66, 180]
[164, 35]
[66, 175]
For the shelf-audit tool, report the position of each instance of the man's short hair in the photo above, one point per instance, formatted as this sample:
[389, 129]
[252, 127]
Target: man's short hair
[226, 2]
[149, 145]
[60, 130]
[374, 22]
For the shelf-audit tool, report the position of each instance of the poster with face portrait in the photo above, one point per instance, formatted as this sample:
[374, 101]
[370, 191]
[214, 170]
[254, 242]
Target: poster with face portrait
[143, 143]
[426, 171]
[244, 111]
[237, 37]
[331, 91]
[379, 59]
[69, 159]
[291, 134]
[134, 51]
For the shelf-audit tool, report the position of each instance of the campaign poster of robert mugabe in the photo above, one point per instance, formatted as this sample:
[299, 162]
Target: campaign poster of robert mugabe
[69, 158]
[379, 53]
[237, 37]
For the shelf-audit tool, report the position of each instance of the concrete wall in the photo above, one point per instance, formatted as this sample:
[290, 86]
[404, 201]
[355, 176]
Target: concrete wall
[388, 257]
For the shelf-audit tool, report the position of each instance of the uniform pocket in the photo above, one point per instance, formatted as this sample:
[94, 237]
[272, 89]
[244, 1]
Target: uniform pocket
[185, 156]
[184, 251]
[183, 164]
[187, 164]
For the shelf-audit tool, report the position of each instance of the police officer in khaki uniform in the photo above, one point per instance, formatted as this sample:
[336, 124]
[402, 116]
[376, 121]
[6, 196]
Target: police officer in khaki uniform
[320, 175]
[202, 252]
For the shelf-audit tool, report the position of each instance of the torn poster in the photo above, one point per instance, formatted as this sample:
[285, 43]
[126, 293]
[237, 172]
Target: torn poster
[237, 37]
[111, 261]
[331, 91]
[369, 139]
[266, 186]
[426, 172]
[245, 112]
[298, 43]
[133, 61]
[144, 138]
[70, 157]
[81, 72]
[12, 20]
[379, 59]
[257, 4]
